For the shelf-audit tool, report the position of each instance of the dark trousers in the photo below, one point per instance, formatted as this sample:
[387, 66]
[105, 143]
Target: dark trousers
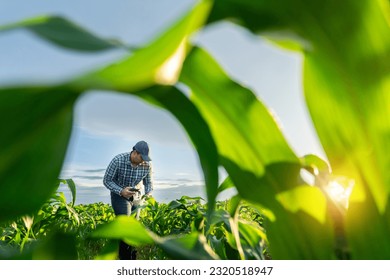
[123, 207]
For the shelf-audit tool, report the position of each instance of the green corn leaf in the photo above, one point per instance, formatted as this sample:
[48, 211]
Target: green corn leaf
[33, 145]
[239, 122]
[367, 230]
[174, 204]
[64, 33]
[346, 84]
[221, 216]
[139, 71]
[315, 165]
[192, 246]
[252, 240]
[32, 152]
[126, 228]
[109, 252]
[234, 205]
[11, 253]
[226, 184]
[197, 129]
[308, 199]
[57, 246]
[248, 139]
[359, 98]
[218, 246]
[255, 154]
[72, 187]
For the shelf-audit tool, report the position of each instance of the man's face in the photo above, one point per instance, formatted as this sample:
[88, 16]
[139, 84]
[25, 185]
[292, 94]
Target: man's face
[136, 157]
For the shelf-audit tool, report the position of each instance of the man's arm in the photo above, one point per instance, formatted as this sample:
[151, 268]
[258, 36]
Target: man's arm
[109, 176]
[148, 182]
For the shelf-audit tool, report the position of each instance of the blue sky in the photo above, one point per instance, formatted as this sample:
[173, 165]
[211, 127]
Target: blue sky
[110, 123]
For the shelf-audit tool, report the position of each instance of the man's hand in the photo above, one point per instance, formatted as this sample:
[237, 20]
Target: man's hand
[126, 193]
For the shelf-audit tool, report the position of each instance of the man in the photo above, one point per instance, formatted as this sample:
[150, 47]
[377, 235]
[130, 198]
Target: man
[123, 178]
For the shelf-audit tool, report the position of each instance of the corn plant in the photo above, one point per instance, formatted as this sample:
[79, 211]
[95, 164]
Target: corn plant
[344, 45]
[57, 216]
[188, 214]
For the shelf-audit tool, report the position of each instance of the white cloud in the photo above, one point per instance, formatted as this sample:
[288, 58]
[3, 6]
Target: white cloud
[127, 117]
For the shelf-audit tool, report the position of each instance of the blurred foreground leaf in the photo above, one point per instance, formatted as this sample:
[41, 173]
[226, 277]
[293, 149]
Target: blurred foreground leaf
[139, 71]
[191, 246]
[257, 157]
[346, 85]
[197, 129]
[126, 228]
[64, 33]
[36, 124]
[33, 146]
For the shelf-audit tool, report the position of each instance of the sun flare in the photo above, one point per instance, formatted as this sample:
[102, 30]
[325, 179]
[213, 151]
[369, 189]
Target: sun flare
[339, 190]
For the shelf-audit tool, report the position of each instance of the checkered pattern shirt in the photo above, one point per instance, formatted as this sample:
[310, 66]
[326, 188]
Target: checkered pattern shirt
[120, 174]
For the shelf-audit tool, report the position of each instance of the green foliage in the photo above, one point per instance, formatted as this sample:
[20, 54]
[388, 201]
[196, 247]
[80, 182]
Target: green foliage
[182, 229]
[56, 218]
[345, 46]
[63, 33]
[187, 215]
[182, 222]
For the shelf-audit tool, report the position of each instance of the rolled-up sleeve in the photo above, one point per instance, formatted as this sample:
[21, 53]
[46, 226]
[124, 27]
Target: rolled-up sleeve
[108, 179]
[148, 181]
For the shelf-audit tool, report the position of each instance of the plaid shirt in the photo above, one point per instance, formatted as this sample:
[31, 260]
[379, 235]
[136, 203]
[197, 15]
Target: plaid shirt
[120, 174]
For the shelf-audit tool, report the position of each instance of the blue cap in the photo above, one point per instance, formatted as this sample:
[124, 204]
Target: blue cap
[143, 148]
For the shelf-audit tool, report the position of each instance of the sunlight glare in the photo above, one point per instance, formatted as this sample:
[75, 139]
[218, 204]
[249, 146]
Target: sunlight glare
[339, 190]
[169, 72]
